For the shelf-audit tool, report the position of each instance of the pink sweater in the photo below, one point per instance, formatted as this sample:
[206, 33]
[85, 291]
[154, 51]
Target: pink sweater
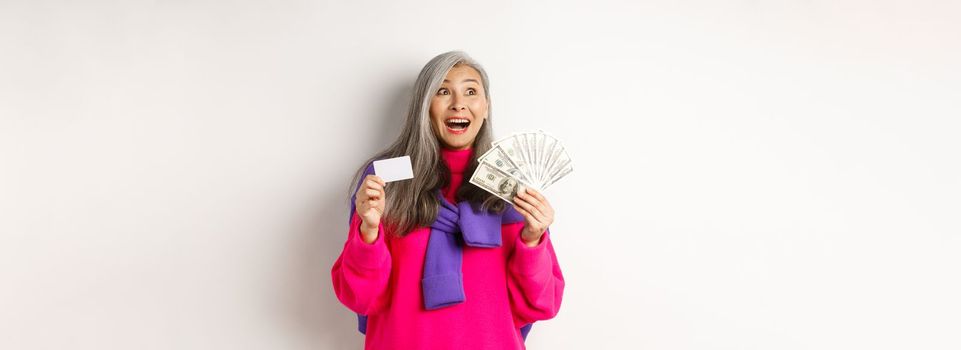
[383, 281]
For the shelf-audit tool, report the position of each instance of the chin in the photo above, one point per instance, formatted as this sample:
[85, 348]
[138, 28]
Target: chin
[454, 141]
[455, 146]
[459, 144]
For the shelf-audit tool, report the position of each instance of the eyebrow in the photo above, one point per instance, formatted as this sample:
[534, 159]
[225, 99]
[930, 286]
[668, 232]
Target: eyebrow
[465, 80]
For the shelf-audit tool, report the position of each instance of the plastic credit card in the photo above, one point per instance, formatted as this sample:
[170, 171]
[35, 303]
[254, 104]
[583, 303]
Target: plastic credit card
[394, 169]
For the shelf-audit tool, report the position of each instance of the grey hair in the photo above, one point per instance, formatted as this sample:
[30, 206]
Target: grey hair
[413, 203]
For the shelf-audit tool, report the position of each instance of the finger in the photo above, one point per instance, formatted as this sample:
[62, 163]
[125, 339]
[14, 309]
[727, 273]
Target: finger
[527, 215]
[530, 198]
[539, 202]
[372, 204]
[523, 202]
[380, 211]
[372, 193]
[379, 180]
[372, 211]
[372, 183]
[367, 194]
[543, 205]
[532, 206]
[536, 194]
[374, 179]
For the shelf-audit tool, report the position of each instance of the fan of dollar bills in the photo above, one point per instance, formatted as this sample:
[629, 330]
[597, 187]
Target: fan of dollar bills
[532, 159]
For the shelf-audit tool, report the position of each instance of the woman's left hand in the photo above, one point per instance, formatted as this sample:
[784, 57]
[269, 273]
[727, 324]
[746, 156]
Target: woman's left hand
[538, 214]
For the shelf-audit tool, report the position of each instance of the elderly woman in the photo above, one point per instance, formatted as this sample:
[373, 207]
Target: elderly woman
[436, 262]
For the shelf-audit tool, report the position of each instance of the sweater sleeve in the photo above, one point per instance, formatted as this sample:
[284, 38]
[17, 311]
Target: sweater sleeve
[362, 272]
[535, 282]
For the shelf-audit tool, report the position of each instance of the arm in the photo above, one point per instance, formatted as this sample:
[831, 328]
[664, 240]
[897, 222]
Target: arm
[362, 272]
[535, 283]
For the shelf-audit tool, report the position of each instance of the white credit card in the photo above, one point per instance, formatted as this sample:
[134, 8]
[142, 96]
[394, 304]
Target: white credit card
[394, 169]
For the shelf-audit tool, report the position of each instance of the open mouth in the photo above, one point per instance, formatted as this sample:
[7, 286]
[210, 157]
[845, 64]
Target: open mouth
[457, 125]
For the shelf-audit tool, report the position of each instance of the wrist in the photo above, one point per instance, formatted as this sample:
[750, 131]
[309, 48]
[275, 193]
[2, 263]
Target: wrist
[531, 240]
[369, 232]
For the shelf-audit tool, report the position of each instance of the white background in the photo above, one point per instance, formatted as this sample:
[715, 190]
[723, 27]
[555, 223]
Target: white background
[749, 174]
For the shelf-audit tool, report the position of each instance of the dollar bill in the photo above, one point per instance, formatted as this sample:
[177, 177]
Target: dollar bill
[497, 182]
[498, 158]
[530, 159]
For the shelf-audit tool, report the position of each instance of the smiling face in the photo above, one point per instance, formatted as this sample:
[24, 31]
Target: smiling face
[458, 108]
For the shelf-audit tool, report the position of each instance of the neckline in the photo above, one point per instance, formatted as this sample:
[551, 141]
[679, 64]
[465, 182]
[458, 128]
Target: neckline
[457, 160]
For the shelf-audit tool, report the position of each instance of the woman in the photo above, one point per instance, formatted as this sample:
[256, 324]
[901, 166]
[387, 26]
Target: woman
[435, 262]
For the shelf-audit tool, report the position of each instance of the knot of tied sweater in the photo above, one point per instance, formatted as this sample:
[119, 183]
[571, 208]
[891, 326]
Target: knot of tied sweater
[455, 226]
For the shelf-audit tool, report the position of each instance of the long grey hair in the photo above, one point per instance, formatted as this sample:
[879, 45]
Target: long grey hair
[414, 203]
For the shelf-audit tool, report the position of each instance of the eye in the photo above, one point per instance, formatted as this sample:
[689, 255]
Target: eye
[443, 91]
[471, 91]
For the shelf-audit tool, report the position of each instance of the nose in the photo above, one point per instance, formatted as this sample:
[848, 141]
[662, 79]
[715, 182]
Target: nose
[456, 104]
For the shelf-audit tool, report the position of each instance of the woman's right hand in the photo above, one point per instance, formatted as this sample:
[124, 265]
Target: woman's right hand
[370, 206]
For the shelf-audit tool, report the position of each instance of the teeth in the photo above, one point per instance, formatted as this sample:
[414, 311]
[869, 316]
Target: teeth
[458, 120]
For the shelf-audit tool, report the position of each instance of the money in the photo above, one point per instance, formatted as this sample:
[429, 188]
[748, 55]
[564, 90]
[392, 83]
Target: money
[532, 159]
[495, 181]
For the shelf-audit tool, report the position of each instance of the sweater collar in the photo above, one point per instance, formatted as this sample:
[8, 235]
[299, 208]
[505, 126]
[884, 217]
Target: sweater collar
[457, 160]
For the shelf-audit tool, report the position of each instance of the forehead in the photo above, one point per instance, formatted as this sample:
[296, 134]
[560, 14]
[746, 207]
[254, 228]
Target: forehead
[462, 74]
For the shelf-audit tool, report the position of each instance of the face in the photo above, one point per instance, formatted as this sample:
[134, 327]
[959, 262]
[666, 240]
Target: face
[458, 108]
[508, 187]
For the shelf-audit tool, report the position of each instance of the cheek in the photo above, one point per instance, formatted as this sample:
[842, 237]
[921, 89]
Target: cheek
[479, 124]
[437, 106]
[435, 116]
[480, 108]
